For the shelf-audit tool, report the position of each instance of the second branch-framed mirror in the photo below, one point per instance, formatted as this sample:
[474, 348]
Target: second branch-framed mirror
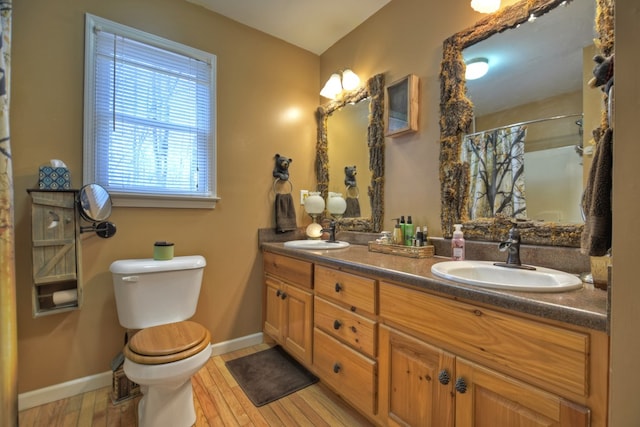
[373, 92]
[458, 115]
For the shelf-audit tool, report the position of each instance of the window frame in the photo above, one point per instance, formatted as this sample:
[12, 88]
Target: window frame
[90, 169]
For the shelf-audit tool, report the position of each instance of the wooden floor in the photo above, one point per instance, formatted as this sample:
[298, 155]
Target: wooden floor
[219, 401]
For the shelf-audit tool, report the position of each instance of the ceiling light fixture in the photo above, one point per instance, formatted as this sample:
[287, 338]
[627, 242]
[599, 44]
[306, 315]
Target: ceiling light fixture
[339, 81]
[485, 6]
[476, 68]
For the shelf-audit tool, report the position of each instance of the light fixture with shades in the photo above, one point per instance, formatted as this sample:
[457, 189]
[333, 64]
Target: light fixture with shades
[339, 81]
[336, 205]
[476, 68]
[485, 6]
[314, 206]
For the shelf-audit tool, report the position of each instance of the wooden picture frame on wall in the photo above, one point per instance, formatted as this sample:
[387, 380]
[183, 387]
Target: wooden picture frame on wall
[401, 106]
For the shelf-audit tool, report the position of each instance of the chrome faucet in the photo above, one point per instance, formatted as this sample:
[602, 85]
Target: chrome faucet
[512, 246]
[332, 231]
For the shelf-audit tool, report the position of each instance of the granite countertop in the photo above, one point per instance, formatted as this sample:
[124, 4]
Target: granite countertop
[585, 307]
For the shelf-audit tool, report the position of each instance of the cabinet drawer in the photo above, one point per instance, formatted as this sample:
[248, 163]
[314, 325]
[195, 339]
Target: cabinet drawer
[524, 348]
[357, 331]
[348, 372]
[291, 269]
[356, 292]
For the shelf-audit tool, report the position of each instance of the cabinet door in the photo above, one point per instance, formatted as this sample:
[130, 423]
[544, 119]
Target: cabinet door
[274, 319]
[416, 381]
[299, 326]
[485, 398]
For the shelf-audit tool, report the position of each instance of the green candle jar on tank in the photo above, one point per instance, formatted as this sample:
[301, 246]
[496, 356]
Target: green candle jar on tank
[162, 251]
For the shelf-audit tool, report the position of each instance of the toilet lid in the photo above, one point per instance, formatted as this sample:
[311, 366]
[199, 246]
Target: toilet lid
[167, 343]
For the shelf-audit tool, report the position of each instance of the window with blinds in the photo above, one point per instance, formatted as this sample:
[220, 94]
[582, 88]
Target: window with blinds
[149, 118]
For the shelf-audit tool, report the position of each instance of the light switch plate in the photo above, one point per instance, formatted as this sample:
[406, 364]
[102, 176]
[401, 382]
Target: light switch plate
[303, 195]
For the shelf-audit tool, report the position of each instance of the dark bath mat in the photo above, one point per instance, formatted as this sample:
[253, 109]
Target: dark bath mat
[268, 375]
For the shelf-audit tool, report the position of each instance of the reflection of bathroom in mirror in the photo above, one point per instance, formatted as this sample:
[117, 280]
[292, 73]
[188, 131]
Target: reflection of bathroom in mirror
[347, 147]
[363, 148]
[522, 95]
[538, 84]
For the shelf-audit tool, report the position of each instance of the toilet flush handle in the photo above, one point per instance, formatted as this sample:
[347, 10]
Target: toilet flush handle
[130, 279]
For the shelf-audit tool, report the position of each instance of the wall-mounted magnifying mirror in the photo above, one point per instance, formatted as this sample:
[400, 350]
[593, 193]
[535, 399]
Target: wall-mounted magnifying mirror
[94, 204]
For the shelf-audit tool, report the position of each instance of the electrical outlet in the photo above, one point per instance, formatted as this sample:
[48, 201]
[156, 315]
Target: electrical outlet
[303, 196]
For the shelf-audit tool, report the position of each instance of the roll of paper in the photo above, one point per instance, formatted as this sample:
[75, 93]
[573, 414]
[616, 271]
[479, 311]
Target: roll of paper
[65, 297]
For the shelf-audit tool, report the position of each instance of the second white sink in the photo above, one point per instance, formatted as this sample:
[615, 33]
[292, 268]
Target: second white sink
[315, 244]
[488, 275]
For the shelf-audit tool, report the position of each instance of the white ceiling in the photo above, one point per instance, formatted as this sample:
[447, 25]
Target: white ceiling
[314, 25]
[535, 61]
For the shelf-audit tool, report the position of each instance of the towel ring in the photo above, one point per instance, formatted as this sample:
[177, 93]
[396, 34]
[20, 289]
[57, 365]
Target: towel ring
[275, 181]
[353, 187]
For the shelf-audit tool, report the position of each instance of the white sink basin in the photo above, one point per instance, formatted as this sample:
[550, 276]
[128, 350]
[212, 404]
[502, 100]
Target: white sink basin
[488, 275]
[315, 244]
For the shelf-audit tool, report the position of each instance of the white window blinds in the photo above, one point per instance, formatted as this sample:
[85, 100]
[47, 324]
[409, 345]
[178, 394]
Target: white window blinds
[151, 124]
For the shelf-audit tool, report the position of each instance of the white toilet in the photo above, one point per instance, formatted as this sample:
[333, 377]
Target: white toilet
[157, 298]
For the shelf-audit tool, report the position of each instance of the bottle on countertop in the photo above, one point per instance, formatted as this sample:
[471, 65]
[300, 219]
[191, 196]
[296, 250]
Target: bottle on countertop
[457, 243]
[419, 240]
[408, 232]
[398, 235]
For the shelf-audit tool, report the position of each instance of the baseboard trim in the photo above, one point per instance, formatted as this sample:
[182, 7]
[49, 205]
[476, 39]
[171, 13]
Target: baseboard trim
[67, 389]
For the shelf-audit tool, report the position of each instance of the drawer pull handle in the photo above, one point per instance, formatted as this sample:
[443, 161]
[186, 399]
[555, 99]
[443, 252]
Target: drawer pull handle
[337, 324]
[444, 377]
[338, 287]
[337, 368]
[461, 385]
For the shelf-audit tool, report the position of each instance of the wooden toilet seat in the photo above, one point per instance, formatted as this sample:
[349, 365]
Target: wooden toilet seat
[167, 343]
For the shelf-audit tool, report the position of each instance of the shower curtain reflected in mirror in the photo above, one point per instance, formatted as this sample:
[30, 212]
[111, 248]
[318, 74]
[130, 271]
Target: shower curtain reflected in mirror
[496, 172]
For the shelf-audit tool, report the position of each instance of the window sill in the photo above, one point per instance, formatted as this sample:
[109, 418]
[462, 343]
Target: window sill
[148, 201]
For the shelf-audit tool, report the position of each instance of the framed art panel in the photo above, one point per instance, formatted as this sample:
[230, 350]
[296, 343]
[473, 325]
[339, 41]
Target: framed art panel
[402, 106]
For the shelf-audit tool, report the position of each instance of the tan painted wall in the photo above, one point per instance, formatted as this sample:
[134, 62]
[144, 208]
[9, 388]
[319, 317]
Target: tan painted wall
[260, 79]
[405, 37]
[625, 292]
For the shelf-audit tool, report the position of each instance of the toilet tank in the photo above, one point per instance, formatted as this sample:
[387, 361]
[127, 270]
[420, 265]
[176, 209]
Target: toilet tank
[150, 292]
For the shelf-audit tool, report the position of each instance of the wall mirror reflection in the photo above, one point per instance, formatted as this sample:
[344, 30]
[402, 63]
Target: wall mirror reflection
[530, 116]
[349, 154]
[351, 133]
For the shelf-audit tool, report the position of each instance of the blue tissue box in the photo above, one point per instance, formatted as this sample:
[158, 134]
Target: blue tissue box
[54, 178]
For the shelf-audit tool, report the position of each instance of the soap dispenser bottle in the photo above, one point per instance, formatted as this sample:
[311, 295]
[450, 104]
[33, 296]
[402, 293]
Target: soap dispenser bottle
[457, 243]
[408, 232]
[398, 235]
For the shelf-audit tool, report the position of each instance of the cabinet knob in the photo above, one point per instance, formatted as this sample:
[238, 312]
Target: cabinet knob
[278, 292]
[336, 324]
[283, 295]
[461, 385]
[337, 368]
[338, 287]
[444, 377]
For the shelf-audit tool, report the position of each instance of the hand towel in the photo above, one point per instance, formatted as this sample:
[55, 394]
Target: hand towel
[285, 213]
[353, 208]
[596, 199]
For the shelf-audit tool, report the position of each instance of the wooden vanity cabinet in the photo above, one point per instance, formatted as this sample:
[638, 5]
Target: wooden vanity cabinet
[288, 304]
[448, 363]
[345, 332]
[405, 357]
